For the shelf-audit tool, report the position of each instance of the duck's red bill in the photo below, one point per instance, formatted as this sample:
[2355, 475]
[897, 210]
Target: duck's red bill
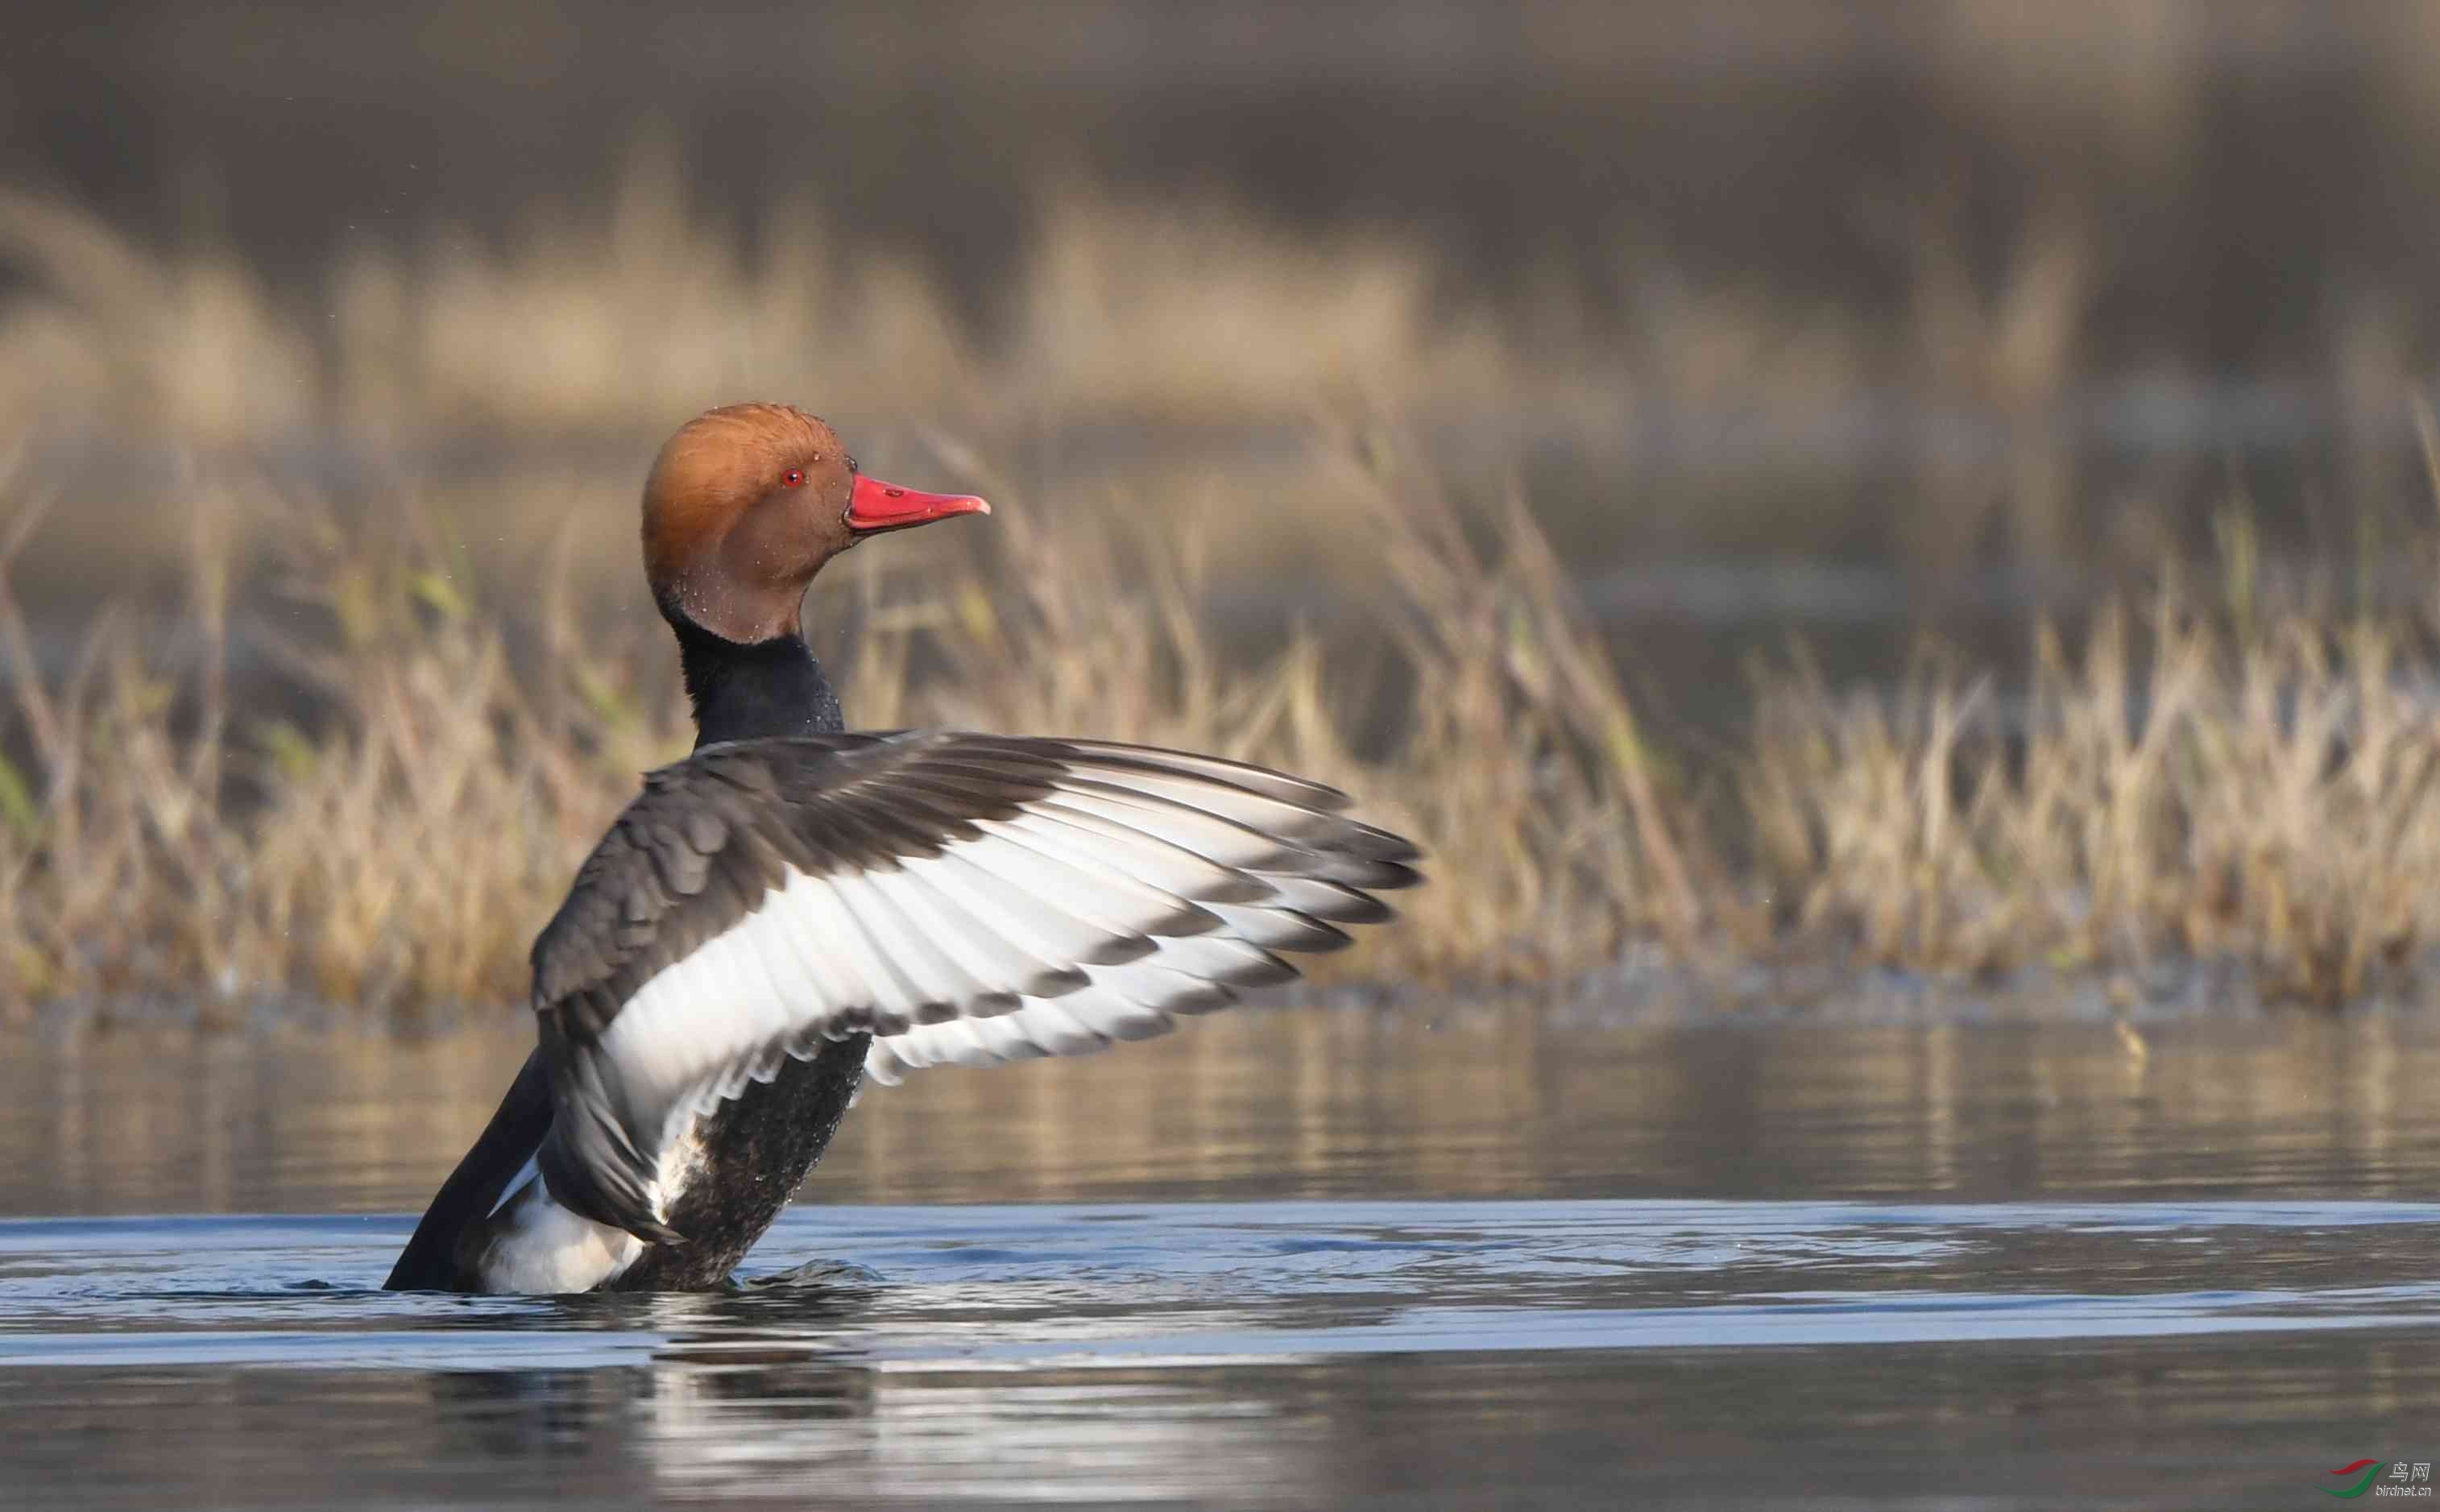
[878, 506]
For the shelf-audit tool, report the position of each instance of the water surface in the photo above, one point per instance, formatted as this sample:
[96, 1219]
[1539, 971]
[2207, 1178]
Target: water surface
[1292, 1259]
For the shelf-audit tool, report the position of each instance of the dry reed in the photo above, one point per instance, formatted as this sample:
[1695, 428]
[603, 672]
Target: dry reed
[2185, 786]
[625, 320]
[2191, 785]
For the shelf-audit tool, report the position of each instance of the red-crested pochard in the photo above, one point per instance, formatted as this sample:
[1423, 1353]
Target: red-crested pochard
[793, 906]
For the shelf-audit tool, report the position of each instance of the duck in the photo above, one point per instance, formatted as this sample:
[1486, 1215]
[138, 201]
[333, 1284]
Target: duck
[797, 907]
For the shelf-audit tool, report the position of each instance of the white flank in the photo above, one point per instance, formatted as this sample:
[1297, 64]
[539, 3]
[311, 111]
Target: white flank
[538, 1247]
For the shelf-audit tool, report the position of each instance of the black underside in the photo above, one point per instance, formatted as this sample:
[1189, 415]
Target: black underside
[757, 1149]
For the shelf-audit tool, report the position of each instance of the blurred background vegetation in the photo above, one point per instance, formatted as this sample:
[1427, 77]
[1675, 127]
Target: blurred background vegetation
[1931, 486]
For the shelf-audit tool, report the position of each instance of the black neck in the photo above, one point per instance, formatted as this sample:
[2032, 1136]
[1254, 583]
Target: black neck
[749, 691]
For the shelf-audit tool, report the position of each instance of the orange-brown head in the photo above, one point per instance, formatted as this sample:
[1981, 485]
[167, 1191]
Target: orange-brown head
[745, 503]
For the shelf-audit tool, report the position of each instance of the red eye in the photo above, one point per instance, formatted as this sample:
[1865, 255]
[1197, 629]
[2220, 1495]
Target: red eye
[793, 476]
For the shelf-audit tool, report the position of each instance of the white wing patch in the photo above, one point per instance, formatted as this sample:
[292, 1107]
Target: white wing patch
[1142, 887]
[1077, 1023]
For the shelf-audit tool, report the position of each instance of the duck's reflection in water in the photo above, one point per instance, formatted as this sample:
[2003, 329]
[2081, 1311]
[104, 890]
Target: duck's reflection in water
[771, 1392]
[1144, 1434]
[754, 1359]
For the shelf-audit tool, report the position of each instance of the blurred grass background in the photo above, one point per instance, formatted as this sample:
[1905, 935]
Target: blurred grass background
[1568, 423]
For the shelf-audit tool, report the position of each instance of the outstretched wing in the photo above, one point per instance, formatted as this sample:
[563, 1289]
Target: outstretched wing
[961, 896]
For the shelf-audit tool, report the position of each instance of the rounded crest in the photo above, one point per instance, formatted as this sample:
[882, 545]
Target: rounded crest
[741, 507]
